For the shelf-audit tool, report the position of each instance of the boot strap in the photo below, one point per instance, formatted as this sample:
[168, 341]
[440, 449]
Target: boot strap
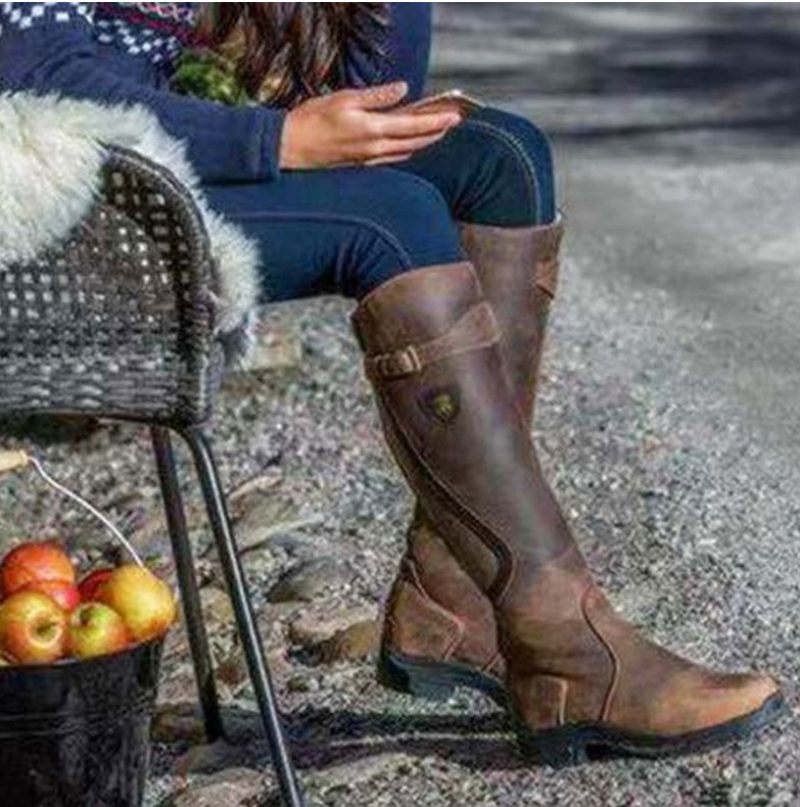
[475, 330]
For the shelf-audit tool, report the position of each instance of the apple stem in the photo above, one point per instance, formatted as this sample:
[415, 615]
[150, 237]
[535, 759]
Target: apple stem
[88, 506]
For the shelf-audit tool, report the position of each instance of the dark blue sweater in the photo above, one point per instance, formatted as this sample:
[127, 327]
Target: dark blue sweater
[124, 52]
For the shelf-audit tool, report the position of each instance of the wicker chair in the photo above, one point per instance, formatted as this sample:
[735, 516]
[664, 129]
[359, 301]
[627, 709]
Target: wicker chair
[117, 322]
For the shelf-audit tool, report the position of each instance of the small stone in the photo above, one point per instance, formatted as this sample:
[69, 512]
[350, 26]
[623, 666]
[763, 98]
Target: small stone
[178, 722]
[312, 628]
[308, 580]
[178, 681]
[217, 608]
[357, 772]
[357, 642]
[232, 670]
[233, 787]
[249, 493]
[303, 683]
[275, 349]
[269, 519]
[209, 756]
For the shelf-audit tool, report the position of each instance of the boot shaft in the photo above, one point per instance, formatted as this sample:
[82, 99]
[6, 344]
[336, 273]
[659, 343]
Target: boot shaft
[518, 270]
[433, 356]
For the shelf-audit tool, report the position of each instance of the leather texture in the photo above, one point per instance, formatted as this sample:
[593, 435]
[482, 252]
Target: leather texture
[518, 272]
[569, 658]
[518, 269]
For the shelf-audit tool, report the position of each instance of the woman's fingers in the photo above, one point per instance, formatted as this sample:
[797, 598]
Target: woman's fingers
[380, 97]
[391, 158]
[386, 150]
[397, 125]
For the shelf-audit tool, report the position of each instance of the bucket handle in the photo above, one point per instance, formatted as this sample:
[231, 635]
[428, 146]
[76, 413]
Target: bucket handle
[17, 460]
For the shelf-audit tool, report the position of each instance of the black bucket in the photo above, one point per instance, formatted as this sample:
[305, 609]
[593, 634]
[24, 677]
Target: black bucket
[77, 733]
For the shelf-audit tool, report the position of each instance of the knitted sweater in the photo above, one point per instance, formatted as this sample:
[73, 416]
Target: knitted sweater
[124, 53]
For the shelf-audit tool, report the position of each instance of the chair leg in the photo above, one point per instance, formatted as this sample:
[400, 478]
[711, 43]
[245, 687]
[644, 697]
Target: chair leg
[245, 618]
[187, 581]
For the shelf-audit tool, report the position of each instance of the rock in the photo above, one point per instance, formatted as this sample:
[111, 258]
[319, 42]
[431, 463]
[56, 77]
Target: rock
[236, 668]
[249, 493]
[234, 787]
[359, 641]
[232, 670]
[308, 580]
[269, 519]
[337, 779]
[209, 757]
[313, 627]
[275, 349]
[217, 609]
[303, 682]
[178, 682]
[178, 722]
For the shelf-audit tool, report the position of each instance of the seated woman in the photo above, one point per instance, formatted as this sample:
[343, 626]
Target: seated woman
[444, 230]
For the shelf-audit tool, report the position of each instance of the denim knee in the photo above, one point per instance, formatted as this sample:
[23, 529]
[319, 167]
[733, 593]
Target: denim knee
[523, 164]
[409, 226]
[495, 168]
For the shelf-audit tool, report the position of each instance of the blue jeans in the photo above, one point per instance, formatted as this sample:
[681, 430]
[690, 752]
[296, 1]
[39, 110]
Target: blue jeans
[347, 231]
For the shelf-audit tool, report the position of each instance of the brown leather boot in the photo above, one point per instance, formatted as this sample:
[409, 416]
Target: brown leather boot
[439, 629]
[579, 677]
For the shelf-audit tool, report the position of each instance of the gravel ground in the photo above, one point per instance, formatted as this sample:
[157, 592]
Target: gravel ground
[668, 421]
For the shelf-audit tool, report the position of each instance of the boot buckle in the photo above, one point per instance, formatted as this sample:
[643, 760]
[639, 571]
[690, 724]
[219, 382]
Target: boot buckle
[398, 364]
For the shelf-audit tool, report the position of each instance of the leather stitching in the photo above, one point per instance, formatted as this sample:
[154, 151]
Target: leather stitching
[484, 534]
[612, 687]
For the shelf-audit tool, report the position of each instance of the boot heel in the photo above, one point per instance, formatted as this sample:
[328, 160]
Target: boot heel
[559, 748]
[410, 678]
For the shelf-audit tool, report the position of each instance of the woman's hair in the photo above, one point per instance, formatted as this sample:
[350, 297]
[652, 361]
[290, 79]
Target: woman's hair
[286, 52]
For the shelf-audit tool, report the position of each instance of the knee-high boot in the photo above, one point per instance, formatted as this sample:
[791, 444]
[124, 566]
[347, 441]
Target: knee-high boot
[578, 675]
[439, 627]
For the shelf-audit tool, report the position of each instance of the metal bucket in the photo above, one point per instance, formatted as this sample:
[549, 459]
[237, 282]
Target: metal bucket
[77, 733]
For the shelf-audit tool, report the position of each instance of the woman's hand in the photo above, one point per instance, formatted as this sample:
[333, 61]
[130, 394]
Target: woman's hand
[349, 127]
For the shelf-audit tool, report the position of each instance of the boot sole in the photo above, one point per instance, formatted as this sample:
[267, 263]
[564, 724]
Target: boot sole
[435, 680]
[575, 744]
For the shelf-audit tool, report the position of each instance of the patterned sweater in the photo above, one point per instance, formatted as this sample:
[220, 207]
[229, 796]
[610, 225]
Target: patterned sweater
[125, 52]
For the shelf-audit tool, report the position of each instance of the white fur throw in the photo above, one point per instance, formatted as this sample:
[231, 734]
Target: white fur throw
[51, 155]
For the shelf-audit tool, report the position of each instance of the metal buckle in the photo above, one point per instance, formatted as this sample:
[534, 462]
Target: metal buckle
[398, 364]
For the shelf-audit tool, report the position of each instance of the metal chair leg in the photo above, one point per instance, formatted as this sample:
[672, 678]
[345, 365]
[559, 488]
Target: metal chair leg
[245, 618]
[187, 581]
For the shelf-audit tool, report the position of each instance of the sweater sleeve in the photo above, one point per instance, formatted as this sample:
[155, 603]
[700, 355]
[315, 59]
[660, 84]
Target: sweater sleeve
[51, 47]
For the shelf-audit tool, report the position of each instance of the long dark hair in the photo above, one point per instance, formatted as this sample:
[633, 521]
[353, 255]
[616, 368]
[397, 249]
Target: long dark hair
[286, 52]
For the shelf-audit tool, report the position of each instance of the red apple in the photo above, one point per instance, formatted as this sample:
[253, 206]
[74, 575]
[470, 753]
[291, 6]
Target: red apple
[33, 629]
[37, 560]
[90, 584]
[96, 630]
[64, 594]
[141, 599]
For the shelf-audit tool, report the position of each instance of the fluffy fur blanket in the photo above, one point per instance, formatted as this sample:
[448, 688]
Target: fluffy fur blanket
[51, 153]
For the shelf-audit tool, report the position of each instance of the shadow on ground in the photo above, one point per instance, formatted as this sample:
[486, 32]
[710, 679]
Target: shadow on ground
[323, 738]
